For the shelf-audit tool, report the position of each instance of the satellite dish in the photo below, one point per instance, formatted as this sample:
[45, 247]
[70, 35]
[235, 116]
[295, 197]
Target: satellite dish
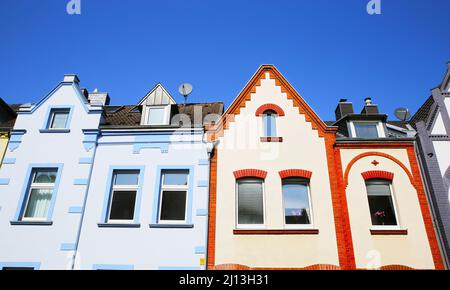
[185, 89]
[402, 114]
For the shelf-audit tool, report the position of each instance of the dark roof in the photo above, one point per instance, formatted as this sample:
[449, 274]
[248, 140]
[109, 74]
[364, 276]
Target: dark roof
[130, 115]
[423, 113]
[121, 116]
[7, 115]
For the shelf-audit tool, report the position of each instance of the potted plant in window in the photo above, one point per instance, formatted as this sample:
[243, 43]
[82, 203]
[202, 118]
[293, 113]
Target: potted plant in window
[380, 215]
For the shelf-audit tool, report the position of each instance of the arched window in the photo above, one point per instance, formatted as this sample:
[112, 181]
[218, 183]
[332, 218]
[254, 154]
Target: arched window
[270, 123]
[381, 202]
[296, 201]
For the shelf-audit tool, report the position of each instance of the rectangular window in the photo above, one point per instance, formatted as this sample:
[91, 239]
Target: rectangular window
[173, 196]
[381, 204]
[270, 128]
[58, 119]
[156, 116]
[123, 196]
[366, 130]
[297, 205]
[250, 202]
[40, 194]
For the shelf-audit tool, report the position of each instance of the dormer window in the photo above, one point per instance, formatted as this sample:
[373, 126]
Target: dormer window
[158, 115]
[367, 130]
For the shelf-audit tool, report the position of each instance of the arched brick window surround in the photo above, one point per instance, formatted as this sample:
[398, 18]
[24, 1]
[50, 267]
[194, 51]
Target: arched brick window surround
[295, 173]
[360, 156]
[250, 173]
[277, 109]
[377, 174]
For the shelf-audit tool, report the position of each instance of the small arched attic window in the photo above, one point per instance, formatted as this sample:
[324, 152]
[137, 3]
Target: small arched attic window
[269, 114]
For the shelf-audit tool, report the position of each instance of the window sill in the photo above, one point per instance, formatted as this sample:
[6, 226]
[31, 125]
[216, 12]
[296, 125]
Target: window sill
[31, 223]
[388, 232]
[118, 225]
[58, 131]
[172, 226]
[277, 232]
[272, 139]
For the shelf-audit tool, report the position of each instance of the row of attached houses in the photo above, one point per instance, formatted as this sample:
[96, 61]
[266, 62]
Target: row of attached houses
[266, 184]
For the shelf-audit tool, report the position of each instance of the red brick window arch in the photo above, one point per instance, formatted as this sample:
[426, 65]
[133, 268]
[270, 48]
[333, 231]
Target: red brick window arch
[378, 174]
[270, 107]
[248, 173]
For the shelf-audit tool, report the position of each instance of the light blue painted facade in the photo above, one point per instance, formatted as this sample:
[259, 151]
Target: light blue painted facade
[48, 243]
[145, 243]
[76, 233]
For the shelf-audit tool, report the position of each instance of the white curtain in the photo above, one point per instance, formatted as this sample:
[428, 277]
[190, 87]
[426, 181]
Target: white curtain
[39, 203]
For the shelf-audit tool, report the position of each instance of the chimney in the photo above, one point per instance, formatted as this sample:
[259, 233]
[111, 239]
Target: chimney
[98, 99]
[71, 79]
[343, 109]
[369, 107]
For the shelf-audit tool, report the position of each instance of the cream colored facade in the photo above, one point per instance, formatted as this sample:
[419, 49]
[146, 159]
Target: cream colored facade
[375, 251]
[302, 148]
[4, 137]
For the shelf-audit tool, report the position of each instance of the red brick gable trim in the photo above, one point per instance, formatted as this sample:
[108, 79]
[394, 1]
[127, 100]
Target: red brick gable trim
[250, 173]
[295, 173]
[216, 131]
[261, 110]
[377, 174]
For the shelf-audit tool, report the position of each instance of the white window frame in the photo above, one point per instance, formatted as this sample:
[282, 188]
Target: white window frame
[120, 188]
[250, 226]
[173, 188]
[299, 226]
[380, 128]
[394, 204]
[166, 114]
[52, 118]
[32, 186]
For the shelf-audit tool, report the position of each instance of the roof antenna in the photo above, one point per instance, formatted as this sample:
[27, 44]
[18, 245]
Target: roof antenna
[185, 89]
[402, 114]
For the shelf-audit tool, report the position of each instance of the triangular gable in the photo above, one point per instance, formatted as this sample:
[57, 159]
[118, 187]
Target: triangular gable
[438, 126]
[78, 93]
[154, 91]
[245, 95]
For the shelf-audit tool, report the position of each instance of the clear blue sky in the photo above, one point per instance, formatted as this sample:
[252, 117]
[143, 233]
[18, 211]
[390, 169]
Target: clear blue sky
[327, 49]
